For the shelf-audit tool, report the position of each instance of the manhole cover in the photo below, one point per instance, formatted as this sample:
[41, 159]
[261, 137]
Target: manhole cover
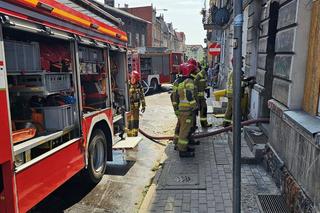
[272, 204]
[183, 179]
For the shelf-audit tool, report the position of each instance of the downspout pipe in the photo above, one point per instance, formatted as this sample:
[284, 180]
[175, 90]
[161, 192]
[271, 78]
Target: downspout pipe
[237, 66]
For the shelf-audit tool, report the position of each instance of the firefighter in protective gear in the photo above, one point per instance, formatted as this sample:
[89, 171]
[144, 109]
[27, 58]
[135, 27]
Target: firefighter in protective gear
[136, 96]
[186, 106]
[194, 63]
[245, 82]
[228, 114]
[175, 102]
[200, 89]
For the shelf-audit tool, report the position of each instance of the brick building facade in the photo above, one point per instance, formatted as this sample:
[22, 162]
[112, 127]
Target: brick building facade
[146, 13]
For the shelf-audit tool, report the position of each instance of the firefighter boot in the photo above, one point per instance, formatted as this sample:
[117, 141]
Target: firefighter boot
[207, 126]
[190, 149]
[192, 142]
[186, 154]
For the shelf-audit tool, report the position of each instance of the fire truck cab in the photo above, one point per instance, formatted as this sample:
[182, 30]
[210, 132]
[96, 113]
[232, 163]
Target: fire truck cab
[63, 96]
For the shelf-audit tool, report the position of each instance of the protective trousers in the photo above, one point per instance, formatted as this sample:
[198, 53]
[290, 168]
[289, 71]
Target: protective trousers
[176, 133]
[203, 112]
[228, 113]
[186, 123]
[133, 124]
[244, 106]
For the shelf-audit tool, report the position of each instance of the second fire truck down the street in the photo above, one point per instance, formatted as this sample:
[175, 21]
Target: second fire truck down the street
[157, 66]
[63, 96]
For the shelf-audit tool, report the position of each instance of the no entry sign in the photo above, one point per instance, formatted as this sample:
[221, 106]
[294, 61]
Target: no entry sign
[215, 49]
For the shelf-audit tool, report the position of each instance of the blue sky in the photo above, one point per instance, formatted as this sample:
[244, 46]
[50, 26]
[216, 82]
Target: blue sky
[184, 14]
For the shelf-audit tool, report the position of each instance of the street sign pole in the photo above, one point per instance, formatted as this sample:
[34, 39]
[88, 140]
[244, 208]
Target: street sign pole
[236, 114]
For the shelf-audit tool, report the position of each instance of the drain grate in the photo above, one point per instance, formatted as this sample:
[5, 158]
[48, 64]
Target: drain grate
[272, 204]
[183, 179]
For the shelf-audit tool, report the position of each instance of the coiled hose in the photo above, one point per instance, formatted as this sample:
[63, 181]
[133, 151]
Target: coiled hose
[207, 134]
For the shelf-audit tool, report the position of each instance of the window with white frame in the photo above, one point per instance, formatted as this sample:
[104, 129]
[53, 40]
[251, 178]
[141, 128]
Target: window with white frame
[137, 40]
[129, 39]
[143, 40]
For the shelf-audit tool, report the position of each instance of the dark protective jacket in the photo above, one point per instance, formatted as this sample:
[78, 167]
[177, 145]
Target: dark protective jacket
[174, 95]
[186, 94]
[201, 80]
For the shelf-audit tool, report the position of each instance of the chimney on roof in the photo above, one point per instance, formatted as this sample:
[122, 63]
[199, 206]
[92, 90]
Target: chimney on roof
[126, 6]
[109, 2]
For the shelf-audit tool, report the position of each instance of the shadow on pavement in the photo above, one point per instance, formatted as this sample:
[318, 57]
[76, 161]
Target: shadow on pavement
[119, 169]
[70, 194]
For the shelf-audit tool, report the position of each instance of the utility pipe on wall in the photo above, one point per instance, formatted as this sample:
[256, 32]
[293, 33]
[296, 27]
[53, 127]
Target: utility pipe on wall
[236, 114]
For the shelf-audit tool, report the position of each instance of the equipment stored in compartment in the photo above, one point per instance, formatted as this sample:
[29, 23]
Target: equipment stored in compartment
[58, 117]
[41, 85]
[22, 57]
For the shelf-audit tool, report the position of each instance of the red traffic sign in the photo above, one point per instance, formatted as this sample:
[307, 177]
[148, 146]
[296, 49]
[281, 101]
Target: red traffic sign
[215, 49]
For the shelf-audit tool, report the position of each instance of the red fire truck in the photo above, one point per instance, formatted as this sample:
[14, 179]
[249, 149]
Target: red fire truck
[63, 96]
[157, 66]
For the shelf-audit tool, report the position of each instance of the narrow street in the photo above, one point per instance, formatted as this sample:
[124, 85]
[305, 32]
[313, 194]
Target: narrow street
[127, 178]
[245, 82]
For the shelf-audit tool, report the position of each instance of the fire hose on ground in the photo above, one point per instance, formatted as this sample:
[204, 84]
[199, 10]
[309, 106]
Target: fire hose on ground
[207, 134]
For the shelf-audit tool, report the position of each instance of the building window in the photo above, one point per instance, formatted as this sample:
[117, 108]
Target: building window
[129, 39]
[143, 40]
[137, 40]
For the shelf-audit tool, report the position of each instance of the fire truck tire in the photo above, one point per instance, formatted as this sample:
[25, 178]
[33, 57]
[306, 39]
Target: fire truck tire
[154, 86]
[97, 157]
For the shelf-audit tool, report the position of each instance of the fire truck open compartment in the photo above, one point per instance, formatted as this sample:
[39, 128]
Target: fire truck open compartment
[119, 87]
[95, 88]
[42, 93]
[97, 65]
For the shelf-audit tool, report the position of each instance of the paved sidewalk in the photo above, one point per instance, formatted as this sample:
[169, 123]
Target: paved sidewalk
[204, 184]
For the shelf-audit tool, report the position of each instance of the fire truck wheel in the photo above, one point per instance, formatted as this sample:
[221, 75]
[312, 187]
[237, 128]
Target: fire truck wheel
[154, 85]
[97, 158]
